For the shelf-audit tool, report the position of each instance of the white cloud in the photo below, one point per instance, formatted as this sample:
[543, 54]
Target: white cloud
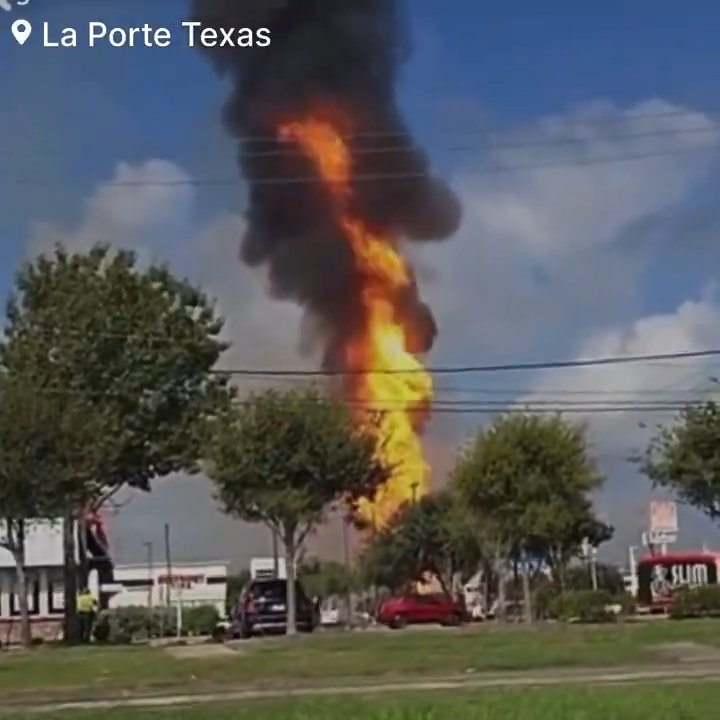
[149, 208]
[618, 435]
[141, 203]
[694, 326]
[545, 253]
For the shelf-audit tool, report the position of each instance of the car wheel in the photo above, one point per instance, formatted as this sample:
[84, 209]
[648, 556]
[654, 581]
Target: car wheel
[452, 620]
[397, 623]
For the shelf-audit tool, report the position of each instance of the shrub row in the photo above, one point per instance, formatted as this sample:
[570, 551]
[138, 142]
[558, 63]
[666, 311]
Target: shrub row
[696, 602]
[585, 606]
[133, 624]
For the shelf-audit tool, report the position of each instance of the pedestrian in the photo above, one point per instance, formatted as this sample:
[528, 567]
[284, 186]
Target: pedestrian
[87, 609]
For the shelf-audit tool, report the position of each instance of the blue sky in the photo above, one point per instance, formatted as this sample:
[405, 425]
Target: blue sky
[629, 245]
[496, 63]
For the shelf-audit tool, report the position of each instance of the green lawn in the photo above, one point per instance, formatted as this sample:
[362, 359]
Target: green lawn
[668, 702]
[327, 658]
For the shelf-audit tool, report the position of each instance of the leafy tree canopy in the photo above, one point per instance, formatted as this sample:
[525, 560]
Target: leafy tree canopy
[532, 476]
[50, 450]
[327, 578]
[685, 458]
[136, 344]
[282, 457]
[433, 536]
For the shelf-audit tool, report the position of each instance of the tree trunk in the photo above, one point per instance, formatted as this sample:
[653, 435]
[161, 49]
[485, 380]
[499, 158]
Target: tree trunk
[83, 571]
[16, 541]
[71, 626]
[527, 595]
[290, 552]
[501, 563]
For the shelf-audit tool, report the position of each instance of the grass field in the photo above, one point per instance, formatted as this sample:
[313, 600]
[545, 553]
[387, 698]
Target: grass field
[330, 658]
[686, 701]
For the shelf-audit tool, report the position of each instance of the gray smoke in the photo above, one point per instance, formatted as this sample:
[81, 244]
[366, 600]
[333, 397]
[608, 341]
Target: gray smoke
[337, 59]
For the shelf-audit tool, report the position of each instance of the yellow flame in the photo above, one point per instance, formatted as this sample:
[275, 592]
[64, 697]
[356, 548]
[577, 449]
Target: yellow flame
[400, 386]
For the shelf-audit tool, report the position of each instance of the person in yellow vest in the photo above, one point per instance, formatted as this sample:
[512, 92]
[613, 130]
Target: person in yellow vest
[87, 608]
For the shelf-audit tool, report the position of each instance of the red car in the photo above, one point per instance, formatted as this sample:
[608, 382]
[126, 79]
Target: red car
[397, 612]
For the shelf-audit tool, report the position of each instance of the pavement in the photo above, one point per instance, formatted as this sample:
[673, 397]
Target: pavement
[700, 671]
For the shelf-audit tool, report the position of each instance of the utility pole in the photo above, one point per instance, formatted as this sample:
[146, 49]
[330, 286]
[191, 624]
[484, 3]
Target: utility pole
[346, 553]
[151, 573]
[168, 564]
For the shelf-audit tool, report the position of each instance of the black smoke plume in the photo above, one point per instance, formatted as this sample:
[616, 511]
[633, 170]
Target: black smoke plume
[337, 59]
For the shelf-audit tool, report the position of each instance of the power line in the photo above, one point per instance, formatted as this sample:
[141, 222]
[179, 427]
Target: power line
[480, 129]
[471, 369]
[287, 148]
[434, 370]
[441, 407]
[392, 176]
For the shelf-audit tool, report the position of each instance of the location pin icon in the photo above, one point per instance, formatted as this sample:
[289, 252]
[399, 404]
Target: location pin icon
[21, 30]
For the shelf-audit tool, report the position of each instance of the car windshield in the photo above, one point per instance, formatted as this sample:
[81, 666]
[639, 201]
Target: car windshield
[272, 590]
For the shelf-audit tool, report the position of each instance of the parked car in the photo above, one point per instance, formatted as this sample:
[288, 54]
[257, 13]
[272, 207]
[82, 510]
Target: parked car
[397, 612]
[263, 609]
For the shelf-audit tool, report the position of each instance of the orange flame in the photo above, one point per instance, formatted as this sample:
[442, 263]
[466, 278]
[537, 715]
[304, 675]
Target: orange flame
[399, 385]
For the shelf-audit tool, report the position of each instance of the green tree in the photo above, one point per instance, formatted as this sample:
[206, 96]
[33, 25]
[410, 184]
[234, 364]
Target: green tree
[49, 451]
[282, 458]
[327, 578]
[433, 536]
[137, 344]
[530, 478]
[685, 458]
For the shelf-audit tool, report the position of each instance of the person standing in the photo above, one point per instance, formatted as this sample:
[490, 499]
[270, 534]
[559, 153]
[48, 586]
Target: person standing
[87, 609]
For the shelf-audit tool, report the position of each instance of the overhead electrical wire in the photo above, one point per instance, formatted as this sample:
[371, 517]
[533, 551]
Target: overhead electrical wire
[472, 369]
[603, 361]
[489, 168]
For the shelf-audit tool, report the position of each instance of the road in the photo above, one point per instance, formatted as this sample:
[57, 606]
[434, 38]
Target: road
[690, 672]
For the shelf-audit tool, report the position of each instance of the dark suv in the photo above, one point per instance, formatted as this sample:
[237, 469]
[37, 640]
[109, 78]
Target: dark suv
[263, 609]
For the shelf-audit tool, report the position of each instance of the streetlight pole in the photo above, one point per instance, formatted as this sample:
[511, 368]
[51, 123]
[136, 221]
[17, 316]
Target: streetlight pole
[346, 553]
[151, 573]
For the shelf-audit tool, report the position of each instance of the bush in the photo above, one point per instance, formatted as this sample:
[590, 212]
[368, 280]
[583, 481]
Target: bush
[585, 606]
[200, 620]
[696, 602]
[545, 602]
[133, 624]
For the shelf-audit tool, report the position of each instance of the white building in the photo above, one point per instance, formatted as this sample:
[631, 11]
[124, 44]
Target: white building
[43, 562]
[187, 584]
[268, 568]
[191, 584]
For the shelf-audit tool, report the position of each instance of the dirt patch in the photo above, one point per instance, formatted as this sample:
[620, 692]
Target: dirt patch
[688, 652]
[211, 651]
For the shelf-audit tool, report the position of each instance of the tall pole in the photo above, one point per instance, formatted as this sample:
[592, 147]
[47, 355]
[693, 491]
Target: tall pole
[151, 573]
[168, 564]
[346, 553]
